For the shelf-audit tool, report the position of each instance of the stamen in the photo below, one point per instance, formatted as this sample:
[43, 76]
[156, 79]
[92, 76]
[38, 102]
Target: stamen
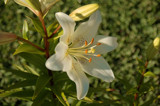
[90, 59]
[99, 44]
[98, 55]
[85, 43]
[86, 51]
[92, 40]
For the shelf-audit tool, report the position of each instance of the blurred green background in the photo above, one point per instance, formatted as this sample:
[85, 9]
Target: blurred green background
[134, 22]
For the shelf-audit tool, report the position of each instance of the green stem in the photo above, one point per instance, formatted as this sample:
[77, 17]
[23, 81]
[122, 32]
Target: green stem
[55, 31]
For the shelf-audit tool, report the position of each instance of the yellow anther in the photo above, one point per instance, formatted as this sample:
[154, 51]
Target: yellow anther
[86, 51]
[90, 59]
[98, 55]
[85, 43]
[93, 50]
[92, 40]
[99, 44]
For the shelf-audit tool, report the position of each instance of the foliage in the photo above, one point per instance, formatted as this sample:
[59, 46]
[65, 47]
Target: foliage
[134, 23]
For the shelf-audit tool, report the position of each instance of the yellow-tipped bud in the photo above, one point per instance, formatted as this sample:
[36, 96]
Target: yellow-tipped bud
[153, 48]
[156, 43]
[83, 12]
[7, 38]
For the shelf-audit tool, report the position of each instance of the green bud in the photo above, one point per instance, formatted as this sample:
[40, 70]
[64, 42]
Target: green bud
[153, 48]
[7, 38]
[83, 12]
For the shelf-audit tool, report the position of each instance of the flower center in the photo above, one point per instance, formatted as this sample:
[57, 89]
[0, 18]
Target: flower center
[88, 49]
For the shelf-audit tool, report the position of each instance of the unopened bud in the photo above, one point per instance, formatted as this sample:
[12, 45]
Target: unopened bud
[7, 38]
[83, 12]
[153, 48]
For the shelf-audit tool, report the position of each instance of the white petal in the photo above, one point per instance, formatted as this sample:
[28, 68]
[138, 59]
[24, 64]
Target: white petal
[98, 67]
[108, 44]
[68, 26]
[60, 61]
[87, 30]
[77, 75]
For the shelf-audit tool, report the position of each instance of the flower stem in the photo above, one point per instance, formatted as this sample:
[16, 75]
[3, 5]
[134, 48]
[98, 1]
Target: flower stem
[136, 96]
[46, 44]
[55, 31]
[27, 41]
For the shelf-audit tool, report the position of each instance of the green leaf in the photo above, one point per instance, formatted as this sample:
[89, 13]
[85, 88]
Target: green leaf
[25, 30]
[40, 98]
[38, 26]
[21, 74]
[37, 60]
[149, 74]
[40, 84]
[27, 48]
[61, 97]
[8, 93]
[21, 84]
[31, 70]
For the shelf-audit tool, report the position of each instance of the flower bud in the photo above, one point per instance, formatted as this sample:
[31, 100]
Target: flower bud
[83, 12]
[153, 48]
[7, 37]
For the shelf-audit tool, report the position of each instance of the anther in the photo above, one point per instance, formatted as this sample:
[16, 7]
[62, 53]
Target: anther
[98, 55]
[92, 40]
[85, 43]
[99, 44]
[86, 51]
[90, 59]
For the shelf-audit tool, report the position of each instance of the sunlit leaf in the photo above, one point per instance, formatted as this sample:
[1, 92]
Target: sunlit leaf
[8, 93]
[149, 74]
[27, 48]
[25, 30]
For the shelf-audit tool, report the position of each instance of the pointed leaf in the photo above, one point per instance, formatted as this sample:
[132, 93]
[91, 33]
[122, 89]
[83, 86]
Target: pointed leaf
[25, 30]
[8, 93]
[21, 74]
[40, 84]
[21, 84]
[149, 74]
[37, 60]
[38, 26]
[27, 48]
[40, 98]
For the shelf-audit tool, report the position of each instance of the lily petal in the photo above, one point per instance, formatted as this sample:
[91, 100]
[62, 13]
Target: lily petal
[107, 44]
[98, 67]
[87, 30]
[59, 61]
[68, 26]
[77, 75]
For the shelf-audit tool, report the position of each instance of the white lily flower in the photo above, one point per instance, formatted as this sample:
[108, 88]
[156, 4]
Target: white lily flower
[79, 51]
